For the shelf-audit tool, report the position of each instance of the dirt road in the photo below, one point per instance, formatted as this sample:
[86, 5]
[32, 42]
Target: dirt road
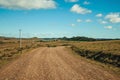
[55, 63]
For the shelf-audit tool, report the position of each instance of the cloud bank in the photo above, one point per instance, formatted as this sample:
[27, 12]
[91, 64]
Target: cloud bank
[28, 4]
[113, 17]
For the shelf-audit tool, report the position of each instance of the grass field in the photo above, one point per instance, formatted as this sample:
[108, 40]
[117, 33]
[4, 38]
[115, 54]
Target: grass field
[9, 48]
[104, 46]
[107, 52]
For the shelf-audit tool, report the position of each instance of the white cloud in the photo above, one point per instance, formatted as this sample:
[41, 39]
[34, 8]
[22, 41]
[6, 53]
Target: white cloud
[71, 0]
[99, 15]
[88, 20]
[79, 20]
[28, 4]
[102, 21]
[80, 10]
[108, 27]
[86, 3]
[113, 17]
[72, 25]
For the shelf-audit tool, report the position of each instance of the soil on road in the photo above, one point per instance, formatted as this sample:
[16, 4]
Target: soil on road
[53, 63]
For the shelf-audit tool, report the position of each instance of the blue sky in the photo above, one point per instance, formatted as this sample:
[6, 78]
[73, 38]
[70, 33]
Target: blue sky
[59, 18]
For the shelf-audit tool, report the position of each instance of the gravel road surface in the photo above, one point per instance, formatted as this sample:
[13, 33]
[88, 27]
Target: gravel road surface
[53, 63]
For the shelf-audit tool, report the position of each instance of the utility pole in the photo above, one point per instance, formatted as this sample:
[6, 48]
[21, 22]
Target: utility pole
[20, 43]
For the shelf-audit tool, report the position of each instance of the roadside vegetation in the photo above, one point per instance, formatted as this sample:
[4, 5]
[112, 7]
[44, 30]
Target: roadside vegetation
[9, 48]
[106, 51]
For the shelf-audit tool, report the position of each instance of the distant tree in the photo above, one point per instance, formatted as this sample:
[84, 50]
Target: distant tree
[78, 38]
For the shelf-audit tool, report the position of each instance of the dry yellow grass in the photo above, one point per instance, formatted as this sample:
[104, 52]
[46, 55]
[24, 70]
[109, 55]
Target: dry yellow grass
[10, 47]
[112, 47]
[104, 46]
